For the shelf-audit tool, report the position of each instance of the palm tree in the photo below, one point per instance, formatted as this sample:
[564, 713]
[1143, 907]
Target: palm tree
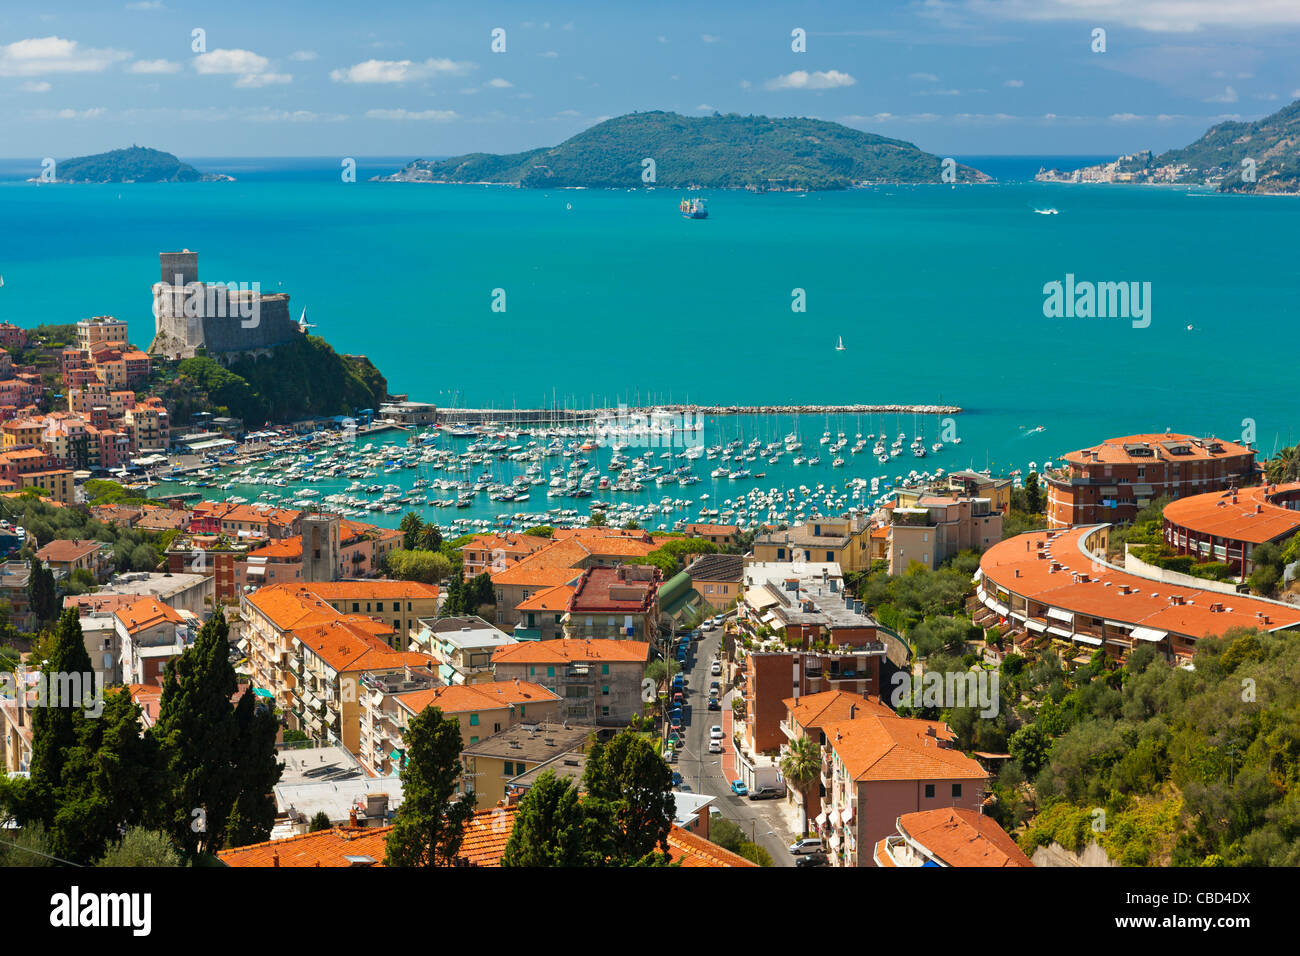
[1283, 467]
[802, 767]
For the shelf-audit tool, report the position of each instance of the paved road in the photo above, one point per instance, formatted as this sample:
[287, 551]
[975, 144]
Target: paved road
[703, 771]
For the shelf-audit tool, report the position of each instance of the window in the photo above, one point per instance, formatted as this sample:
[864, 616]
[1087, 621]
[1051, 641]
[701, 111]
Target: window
[473, 720]
[550, 672]
[356, 607]
[473, 740]
[780, 554]
[604, 711]
[604, 690]
[956, 790]
[830, 555]
[496, 728]
[929, 791]
[521, 767]
[510, 768]
[379, 606]
[604, 668]
[532, 671]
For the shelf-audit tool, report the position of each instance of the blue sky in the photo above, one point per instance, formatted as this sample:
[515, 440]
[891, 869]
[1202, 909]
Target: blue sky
[395, 78]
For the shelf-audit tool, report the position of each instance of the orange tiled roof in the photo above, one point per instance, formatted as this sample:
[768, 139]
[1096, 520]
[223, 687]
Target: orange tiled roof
[291, 605]
[548, 599]
[67, 550]
[378, 588]
[510, 544]
[349, 645]
[322, 848]
[1246, 515]
[146, 613]
[1015, 565]
[1113, 451]
[829, 706]
[698, 529]
[876, 748]
[489, 695]
[961, 837]
[563, 650]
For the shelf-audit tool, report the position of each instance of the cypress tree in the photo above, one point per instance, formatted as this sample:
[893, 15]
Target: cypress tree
[108, 781]
[257, 771]
[55, 723]
[549, 827]
[198, 736]
[429, 826]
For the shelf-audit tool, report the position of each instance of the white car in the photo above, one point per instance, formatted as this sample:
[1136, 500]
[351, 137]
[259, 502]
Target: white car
[715, 732]
[715, 746]
[716, 669]
[706, 626]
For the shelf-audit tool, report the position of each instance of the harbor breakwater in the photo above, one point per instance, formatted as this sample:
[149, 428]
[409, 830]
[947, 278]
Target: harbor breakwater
[576, 415]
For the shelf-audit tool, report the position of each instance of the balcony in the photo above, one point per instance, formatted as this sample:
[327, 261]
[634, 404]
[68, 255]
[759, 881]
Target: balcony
[578, 675]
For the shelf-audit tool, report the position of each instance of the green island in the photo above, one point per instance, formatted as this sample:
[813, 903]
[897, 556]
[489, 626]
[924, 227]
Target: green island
[137, 164]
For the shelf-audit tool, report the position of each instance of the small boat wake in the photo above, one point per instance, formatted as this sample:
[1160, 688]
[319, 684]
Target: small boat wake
[1051, 211]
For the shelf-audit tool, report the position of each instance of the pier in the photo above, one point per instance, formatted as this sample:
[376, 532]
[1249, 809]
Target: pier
[526, 416]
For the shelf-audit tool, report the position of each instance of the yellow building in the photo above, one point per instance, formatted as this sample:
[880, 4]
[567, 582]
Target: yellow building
[56, 483]
[843, 541]
[494, 760]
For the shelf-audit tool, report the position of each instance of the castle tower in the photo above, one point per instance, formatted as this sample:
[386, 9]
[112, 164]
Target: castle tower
[320, 547]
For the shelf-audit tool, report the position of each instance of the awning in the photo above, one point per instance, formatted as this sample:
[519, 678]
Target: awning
[821, 819]
[1060, 615]
[1035, 626]
[1059, 632]
[1086, 639]
[1001, 609]
[262, 692]
[1149, 634]
[835, 841]
[846, 815]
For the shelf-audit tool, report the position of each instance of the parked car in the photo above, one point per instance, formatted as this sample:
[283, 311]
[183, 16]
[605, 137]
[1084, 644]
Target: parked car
[716, 669]
[738, 788]
[719, 619]
[715, 732]
[715, 704]
[677, 778]
[715, 686]
[766, 793]
[715, 746]
[808, 845]
[707, 626]
[812, 859]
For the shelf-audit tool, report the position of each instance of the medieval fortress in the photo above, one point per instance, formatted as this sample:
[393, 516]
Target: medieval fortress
[224, 320]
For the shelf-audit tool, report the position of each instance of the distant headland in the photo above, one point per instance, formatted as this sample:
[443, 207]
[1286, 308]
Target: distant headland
[731, 151]
[138, 164]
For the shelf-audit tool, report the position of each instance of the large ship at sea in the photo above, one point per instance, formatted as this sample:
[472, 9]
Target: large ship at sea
[694, 209]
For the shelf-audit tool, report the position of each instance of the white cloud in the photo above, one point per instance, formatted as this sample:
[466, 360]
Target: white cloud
[302, 56]
[255, 81]
[705, 107]
[1156, 16]
[402, 114]
[1125, 117]
[400, 71]
[153, 66]
[35, 86]
[41, 55]
[499, 84]
[146, 5]
[549, 54]
[1229, 95]
[70, 114]
[928, 77]
[1014, 84]
[709, 38]
[230, 61]
[803, 80]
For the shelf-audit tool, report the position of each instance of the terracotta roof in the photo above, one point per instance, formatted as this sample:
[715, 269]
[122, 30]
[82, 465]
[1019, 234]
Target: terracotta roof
[830, 706]
[1119, 451]
[64, 550]
[718, 567]
[1149, 603]
[876, 748]
[511, 544]
[1247, 515]
[86, 603]
[564, 650]
[489, 695]
[145, 613]
[702, 529]
[352, 645]
[376, 588]
[961, 837]
[548, 599]
[322, 848]
[291, 605]
[621, 590]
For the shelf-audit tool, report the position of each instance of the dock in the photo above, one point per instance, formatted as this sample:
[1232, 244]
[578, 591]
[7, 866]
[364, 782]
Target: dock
[561, 416]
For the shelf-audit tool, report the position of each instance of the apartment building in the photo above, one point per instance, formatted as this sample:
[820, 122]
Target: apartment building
[150, 634]
[1228, 525]
[399, 603]
[618, 603]
[842, 541]
[494, 761]
[948, 836]
[599, 680]
[462, 646]
[1112, 481]
[929, 529]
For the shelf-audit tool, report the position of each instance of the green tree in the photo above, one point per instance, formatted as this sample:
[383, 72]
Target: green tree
[143, 848]
[549, 827]
[41, 591]
[257, 771]
[629, 798]
[430, 538]
[430, 825]
[755, 854]
[198, 738]
[320, 821]
[29, 846]
[802, 767]
[410, 527]
[55, 724]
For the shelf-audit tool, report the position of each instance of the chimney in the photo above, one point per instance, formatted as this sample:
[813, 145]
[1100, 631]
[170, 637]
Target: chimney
[352, 819]
[853, 711]
[275, 857]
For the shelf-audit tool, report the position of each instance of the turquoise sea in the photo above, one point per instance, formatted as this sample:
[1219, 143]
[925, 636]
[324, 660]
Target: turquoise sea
[612, 296]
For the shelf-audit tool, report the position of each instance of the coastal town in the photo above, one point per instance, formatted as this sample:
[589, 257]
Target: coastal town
[538, 667]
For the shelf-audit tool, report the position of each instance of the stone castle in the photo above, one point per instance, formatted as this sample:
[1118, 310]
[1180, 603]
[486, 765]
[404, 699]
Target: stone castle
[225, 321]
